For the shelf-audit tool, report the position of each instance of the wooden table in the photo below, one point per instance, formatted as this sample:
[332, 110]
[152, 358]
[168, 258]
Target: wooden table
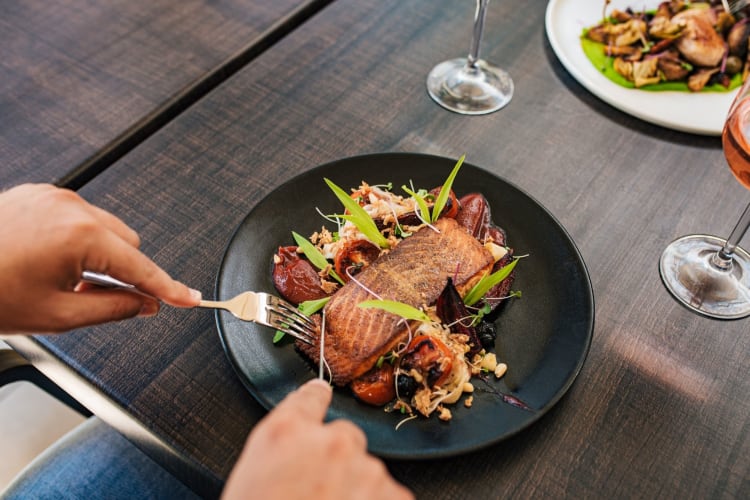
[660, 408]
[83, 82]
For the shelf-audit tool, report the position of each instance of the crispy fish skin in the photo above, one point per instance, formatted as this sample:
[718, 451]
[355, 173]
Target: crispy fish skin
[414, 273]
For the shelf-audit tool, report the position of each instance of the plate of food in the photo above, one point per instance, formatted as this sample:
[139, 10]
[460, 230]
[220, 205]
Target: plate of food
[536, 318]
[668, 104]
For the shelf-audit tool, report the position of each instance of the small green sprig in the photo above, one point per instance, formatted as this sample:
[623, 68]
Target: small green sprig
[314, 256]
[391, 358]
[487, 282]
[421, 203]
[398, 308]
[358, 216]
[308, 308]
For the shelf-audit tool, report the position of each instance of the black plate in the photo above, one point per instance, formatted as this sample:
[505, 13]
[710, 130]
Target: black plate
[544, 337]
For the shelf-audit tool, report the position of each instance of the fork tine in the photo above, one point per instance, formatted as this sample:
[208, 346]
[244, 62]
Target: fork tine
[282, 305]
[289, 325]
[290, 319]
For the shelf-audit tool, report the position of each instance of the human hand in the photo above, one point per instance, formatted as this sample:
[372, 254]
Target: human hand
[48, 237]
[292, 454]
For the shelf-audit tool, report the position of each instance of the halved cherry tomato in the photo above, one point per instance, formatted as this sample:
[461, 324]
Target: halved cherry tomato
[353, 256]
[451, 206]
[376, 386]
[430, 357]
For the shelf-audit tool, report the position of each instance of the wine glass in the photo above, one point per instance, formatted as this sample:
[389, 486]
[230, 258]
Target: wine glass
[710, 275]
[471, 86]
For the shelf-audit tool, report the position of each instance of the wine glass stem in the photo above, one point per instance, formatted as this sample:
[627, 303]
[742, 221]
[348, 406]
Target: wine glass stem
[723, 259]
[476, 37]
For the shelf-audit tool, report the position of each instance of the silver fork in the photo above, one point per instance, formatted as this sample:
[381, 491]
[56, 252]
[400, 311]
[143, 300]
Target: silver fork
[268, 310]
[262, 308]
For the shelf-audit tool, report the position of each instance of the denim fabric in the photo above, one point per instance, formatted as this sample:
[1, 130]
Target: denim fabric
[93, 461]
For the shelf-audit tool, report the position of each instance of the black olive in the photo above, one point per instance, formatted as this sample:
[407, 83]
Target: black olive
[406, 385]
[487, 334]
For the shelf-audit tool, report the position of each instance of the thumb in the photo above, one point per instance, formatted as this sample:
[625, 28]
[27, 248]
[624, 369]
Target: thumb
[310, 401]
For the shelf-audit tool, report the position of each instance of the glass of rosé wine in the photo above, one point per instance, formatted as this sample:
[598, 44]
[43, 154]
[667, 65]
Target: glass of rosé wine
[470, 85]
[711, 275]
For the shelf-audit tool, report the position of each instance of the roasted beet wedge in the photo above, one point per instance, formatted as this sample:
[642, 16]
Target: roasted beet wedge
[295, 278]
[451, 310]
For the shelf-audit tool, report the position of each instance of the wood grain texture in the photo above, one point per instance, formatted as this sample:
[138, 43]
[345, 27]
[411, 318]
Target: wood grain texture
[76, 74]
[660, 409]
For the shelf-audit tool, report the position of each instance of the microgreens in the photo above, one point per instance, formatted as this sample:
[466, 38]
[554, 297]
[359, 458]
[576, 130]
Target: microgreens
[399, 308]
[480, 314]
[391, 357]
[487, 282]
[445, 191]
[425, 211]
[358, 216]
[314, 256]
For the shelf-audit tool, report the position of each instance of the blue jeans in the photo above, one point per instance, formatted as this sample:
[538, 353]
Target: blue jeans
[94, 461]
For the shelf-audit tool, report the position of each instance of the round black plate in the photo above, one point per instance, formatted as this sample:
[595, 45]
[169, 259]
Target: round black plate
[544, 337]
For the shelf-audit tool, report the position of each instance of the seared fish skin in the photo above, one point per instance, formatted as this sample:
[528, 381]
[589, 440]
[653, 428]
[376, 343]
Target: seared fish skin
[414, 273]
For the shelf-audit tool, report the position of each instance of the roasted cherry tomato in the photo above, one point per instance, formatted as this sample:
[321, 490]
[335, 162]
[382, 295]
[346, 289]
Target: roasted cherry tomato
[353, 256]
[376, 386]
[295, 278]
[450, 209]
[430, 357]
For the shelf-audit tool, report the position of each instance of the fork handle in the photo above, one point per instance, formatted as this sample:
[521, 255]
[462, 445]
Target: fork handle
[107, 281]
[212, 304]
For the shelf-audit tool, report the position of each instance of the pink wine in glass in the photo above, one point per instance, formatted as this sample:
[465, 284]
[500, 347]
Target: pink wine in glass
[710, 275]
[735, 140]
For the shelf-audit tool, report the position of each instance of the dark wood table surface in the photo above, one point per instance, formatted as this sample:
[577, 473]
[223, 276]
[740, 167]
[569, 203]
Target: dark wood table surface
[82, 81]
[660, 408]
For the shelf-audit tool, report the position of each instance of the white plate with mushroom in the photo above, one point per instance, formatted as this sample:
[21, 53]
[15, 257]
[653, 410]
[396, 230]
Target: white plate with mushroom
[698, 113]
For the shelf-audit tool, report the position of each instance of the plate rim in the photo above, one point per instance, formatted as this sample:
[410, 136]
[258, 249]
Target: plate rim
[432, 454]
[642, 104]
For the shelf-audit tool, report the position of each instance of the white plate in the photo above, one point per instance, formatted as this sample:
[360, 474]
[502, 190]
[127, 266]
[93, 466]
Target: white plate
[701, 113]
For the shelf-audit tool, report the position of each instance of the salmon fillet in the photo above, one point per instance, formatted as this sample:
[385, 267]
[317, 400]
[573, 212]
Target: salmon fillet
[414, 273]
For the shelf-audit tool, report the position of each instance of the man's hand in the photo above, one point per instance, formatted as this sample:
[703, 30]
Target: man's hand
[291, 454]
[48, 237]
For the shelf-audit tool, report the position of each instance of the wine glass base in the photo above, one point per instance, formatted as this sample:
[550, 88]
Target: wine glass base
[467, 90]
[687, 272]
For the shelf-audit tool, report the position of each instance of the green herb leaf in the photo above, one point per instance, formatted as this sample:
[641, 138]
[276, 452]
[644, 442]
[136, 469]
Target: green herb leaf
[314, 256]
[481, 313]
[308, 308]
[399, 308]
[358, 216]
[423, 208]
[487, 282]
[445, 191]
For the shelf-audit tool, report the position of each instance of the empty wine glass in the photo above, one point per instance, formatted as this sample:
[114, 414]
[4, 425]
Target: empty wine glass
[470, 85]
[710, 275]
